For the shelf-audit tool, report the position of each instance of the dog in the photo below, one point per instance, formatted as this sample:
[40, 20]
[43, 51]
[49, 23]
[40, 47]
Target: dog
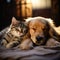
[43, 30]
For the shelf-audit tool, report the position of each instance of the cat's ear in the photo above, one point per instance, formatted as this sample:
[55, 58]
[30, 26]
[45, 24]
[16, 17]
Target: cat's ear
[14, 21]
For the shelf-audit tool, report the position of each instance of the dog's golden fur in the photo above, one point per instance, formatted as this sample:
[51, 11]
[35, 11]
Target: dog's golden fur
[43, 30]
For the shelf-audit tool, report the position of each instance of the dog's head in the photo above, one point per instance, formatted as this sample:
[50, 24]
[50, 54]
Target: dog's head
[40, 29]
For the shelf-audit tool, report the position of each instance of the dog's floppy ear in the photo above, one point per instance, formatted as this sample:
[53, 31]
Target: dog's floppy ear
[54, 31]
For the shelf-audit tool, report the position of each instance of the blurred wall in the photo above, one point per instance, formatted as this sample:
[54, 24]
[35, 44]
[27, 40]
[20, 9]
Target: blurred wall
[45, 8]
[41, 8]
[6, 12]
[56, 11]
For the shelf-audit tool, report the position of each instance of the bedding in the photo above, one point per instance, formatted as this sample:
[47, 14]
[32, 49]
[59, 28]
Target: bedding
[37, 53]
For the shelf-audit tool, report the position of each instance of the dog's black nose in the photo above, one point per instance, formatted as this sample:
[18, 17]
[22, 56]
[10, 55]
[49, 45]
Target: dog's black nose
[39, 38]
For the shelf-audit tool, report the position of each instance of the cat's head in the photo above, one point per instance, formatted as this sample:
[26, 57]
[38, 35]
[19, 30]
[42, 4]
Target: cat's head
[17, 28]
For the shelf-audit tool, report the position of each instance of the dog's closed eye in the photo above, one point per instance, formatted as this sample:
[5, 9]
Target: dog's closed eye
[34, 29]
[44, 29]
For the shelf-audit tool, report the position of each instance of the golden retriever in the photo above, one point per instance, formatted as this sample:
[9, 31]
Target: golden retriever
[43, 30]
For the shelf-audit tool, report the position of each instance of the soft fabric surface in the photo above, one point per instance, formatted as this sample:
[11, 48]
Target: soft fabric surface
[37, 53]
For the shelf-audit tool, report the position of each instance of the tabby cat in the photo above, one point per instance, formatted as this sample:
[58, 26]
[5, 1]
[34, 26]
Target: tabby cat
[14, 34]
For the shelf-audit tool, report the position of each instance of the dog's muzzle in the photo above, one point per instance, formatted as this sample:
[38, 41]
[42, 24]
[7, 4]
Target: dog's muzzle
[39, 38]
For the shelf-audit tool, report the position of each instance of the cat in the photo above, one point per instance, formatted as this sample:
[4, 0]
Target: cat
[14, 34]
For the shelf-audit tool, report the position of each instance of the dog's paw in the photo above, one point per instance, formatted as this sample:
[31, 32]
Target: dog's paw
[25, 47]
[52, 42]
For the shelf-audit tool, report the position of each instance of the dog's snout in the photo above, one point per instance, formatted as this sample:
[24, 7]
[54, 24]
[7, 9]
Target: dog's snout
[39, 38]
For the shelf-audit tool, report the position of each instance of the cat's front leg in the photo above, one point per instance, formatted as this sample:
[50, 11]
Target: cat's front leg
[12, 44]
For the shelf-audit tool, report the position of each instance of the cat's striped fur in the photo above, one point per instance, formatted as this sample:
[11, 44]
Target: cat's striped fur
[14, 34]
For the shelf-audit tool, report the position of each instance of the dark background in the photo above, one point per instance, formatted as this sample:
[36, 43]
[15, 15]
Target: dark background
[7, 10]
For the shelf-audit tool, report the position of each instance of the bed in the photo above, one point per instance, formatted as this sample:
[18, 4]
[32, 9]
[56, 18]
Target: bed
[37, 53]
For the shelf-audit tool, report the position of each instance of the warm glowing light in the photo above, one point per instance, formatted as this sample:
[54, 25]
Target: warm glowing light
[28, 1]
[39, 4]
